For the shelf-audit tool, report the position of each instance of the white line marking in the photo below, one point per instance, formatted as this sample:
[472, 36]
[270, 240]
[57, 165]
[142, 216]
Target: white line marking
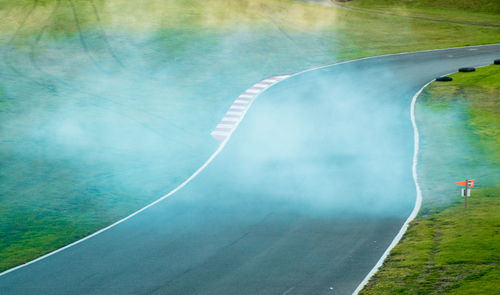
[222, 133]
[221, 125]
[212, 157]
[236, 110]
[250, 90]
[226, 118]
[233, 113]
[238, 107]
[386, 55]
[219, 149]
[418, 201]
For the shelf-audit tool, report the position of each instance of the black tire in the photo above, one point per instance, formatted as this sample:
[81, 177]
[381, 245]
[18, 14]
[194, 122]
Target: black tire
[444, 79]
[467, 70]
[496, 62]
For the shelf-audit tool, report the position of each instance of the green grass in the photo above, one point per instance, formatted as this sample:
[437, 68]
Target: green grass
[467, 11]
[479, 92]
[453, 252]
[449, 249]
[85, 140]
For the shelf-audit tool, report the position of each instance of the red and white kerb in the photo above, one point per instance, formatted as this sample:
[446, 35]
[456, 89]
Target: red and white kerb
[239, 108]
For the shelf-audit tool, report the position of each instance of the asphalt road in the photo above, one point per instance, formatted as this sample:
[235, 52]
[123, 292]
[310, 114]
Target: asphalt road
[304, 198]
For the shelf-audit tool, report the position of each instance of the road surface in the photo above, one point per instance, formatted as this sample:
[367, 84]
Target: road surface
[304, 198]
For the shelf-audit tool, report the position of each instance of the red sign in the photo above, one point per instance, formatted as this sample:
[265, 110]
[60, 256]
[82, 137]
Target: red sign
[468, 183]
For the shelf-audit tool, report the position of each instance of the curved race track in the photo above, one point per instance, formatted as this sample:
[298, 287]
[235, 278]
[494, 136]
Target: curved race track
[306, 196]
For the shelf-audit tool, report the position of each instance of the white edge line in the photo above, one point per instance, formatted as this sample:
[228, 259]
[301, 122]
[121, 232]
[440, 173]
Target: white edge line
[390, 54]
[219, 149]
[418, 202]
[212, 157]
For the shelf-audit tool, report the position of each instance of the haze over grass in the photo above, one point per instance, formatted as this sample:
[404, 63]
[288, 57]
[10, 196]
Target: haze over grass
[453, 250]
[468, 11]
[466, 143]
[108, 105]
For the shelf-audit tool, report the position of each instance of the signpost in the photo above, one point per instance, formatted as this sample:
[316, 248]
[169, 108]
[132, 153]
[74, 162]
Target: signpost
[469, 183]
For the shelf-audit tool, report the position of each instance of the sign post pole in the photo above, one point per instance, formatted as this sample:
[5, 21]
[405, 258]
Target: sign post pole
[466, 192]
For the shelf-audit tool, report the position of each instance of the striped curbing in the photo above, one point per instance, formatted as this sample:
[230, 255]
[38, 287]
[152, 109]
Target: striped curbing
[240, 106]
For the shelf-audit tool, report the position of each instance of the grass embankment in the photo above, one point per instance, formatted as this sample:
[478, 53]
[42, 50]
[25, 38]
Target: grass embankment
[450, 249]
[483, 12]
[85, 140]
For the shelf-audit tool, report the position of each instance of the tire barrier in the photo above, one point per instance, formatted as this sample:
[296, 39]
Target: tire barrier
[444, 79]
[467, 70]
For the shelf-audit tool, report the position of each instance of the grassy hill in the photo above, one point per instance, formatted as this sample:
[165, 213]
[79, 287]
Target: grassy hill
[467, 11]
